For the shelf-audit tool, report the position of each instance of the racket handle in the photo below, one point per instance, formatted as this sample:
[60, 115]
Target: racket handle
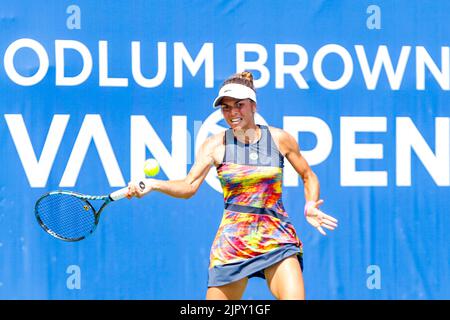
[121, 193]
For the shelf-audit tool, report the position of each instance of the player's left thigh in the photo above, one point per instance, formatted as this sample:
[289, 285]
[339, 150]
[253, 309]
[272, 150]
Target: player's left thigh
[285, 279]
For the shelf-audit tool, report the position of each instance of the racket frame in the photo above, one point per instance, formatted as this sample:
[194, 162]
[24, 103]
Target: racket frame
[85, 198]
[114, 196]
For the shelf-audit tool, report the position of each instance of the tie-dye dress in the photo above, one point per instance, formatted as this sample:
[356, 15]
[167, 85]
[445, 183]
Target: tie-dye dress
[255, 231]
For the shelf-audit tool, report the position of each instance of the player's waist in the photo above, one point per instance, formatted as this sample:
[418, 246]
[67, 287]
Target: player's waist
[256, 210]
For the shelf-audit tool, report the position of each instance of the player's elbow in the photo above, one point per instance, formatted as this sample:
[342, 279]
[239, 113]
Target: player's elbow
[309, 176]
[189, 192]
[187, 195]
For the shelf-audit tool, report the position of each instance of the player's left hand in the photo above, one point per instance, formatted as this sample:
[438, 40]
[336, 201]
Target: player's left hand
[318, 219]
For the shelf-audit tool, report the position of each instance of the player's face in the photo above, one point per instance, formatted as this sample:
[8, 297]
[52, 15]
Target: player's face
[239, 114]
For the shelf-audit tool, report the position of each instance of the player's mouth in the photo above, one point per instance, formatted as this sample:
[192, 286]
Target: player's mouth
[236, 120]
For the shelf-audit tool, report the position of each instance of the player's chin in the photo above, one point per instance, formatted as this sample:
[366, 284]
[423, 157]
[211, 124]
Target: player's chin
[236, 126]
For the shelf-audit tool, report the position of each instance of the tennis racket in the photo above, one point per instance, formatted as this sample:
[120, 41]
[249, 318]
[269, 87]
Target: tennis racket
[70, 216]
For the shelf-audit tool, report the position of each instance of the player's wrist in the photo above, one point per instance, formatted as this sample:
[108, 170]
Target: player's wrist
[150, 183]
[308, 204]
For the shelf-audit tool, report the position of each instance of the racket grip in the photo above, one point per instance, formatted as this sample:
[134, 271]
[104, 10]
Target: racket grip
[121, 193]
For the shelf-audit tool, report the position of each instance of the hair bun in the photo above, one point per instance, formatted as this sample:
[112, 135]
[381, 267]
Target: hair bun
[247, 75]
[245, 78]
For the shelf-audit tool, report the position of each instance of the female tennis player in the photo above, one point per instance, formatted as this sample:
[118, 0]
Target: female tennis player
[255, 237]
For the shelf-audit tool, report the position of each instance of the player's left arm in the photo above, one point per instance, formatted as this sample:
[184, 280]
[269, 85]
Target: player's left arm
[313, 214]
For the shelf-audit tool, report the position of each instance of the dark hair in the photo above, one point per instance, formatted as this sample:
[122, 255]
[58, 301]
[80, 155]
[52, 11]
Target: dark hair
[245, 78]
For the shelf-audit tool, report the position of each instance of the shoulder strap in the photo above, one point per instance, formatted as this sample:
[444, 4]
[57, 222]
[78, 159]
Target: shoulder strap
[268, 149]
[230, 146]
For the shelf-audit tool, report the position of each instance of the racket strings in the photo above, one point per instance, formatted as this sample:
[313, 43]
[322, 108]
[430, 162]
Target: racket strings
[66, 216]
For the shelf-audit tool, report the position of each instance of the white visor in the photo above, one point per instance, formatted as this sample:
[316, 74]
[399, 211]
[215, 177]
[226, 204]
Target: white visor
[236, 91]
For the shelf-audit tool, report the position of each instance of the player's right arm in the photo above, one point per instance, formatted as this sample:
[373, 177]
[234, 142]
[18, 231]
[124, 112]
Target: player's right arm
[187, 187]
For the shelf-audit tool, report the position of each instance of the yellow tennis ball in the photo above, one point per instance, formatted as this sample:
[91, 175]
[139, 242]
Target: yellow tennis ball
[151, 167]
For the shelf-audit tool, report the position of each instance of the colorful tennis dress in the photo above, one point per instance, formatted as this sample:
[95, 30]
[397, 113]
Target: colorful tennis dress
[255, 231]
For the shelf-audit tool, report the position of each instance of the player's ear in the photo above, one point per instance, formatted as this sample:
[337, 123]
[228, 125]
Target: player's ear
[253, 107]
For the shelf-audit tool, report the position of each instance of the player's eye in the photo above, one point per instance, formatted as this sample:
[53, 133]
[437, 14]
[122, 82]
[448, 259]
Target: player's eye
[240, 104]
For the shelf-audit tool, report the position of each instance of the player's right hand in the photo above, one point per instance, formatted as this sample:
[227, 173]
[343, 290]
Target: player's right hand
[135, 189]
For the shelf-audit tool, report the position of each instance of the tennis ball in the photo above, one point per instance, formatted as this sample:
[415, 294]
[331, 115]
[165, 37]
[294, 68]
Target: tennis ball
[151, 167]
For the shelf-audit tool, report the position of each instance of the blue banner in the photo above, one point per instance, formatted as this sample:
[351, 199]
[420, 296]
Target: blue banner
[91, 89]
